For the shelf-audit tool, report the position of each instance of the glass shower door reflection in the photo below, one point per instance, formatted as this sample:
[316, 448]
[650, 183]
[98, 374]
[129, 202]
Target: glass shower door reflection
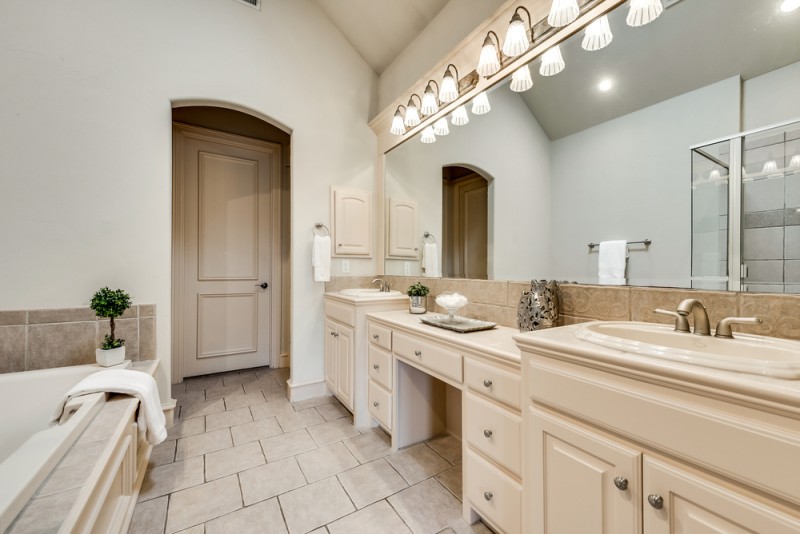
[710, 182]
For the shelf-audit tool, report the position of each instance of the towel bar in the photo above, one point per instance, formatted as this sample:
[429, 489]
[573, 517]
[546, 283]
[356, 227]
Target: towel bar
[427, 235]
[645, 242]
[320, 226]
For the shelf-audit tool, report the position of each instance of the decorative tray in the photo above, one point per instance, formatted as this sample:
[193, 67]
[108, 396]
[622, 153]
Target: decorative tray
[456, 323]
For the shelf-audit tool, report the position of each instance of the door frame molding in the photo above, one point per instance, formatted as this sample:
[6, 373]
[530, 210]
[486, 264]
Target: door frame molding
[181, 132]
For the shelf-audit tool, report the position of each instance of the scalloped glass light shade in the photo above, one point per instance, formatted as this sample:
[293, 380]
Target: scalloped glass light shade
[643, 12]
[489, 62]
[597, 35]
[562, 12]
[412, 116]
[552, 62]
[480, 104]
[460, 116]
[795, 161]
[516, 37]
[428, 136]
[429, 105]
[449, 89]
[441, 127]
[521, 79]
[714, 175]
[398, 128]
[770, 166]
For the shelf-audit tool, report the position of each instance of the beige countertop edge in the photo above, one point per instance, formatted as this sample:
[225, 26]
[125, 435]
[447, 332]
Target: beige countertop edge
[766, 392]
[496, 343]
[364, 300]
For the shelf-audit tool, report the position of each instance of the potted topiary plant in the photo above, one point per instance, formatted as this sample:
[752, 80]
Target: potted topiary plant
[110, 303]
[418, 292]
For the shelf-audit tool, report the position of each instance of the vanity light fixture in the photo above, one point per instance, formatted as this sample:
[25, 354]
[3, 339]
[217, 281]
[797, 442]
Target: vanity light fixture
[552, 62]
[605, 85]
[429, 104]
[714, 175]
[460, 116]
[643, 12]
[489, 62]
[441, 127]
[398, 128]
[428, 136]
[597, 35]
[448, 91]
[517, 34]
[521, 79]
[770, 165]
[787, 6]
[480, 104]
[562, 12]
[794, 162]
[412, 114]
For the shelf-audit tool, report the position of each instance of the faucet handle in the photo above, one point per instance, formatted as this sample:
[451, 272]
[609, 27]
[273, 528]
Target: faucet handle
[681, 322]
[724, 326]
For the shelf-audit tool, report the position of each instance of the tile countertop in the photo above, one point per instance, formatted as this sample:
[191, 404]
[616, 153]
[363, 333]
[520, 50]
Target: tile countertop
[740, 387]
[497, 342]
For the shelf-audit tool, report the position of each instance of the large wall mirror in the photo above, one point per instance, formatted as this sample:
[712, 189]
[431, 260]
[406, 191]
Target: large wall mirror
[567, 164]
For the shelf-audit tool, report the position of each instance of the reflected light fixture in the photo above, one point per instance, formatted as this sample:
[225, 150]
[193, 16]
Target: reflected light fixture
[441, 127]
[795, 161]
[552, 62]
[605, 85]
[448, 91]
[429, 104]
[787, 6]
[521, 79]
[460, 116]
[412, 114]
[597, 35]
[428, 136]
[489, 62]
[562, 12]
[643, 12]
[714, 175]
[480, 104]
[398, 128]
[517, 34]
[770, 166]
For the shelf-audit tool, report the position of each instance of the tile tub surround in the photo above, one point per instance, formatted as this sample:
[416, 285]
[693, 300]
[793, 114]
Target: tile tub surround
[61, 337]
[497, 300]
[298, 467]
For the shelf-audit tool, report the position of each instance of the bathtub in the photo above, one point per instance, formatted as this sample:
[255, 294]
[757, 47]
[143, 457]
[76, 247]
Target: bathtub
[29, 447]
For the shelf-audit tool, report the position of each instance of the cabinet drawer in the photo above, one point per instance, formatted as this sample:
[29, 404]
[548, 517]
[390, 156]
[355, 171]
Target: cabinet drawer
[380, 366]
[380, 405]
[498, 384]
[344, 313]
[494, 431]
[381, 336]
[446, 362]
[493, 494]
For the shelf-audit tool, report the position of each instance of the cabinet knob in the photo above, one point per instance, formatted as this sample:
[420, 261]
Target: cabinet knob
[656, 501]
[376, 366]
[487, 383]
[621, 483]
[488, 495]
[375, 336]
[417, 353]
[376, 404]
[488, 433]
[333, 333]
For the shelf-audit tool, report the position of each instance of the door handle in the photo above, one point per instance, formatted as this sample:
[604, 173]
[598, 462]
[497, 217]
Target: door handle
[263, 285]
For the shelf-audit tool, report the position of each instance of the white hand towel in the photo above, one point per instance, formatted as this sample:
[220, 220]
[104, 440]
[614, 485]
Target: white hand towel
[321, 258]
[134, 383]
[430, 260]
[612, 261]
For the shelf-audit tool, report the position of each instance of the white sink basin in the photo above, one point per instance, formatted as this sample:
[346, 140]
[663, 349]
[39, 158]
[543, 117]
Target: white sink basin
[758, 355]
[369, 292]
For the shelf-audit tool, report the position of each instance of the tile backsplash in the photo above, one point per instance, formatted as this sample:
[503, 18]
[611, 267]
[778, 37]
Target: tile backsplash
[496, 301]
[60, 337]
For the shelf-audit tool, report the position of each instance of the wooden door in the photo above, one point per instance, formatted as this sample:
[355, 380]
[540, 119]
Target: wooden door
[466, 227]
[227, 252]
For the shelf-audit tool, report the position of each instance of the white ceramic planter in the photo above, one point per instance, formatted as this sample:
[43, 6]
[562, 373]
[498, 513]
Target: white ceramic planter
[107, 358]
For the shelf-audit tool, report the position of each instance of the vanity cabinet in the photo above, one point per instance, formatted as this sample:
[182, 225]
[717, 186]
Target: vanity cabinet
[339, 358]
[352, 222]
[404, 238]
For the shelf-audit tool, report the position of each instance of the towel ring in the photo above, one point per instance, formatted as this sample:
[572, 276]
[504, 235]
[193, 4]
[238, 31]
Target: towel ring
[427, 235]
[318, 227]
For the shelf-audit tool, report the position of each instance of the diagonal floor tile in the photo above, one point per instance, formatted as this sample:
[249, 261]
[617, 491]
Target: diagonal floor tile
[203, 443]
[326, 461]
[229, 461]
[240, 401]
[370, 446]
[427, 507]
[262, 518]
[448, 447]
[301, 419]
[289, 444]
[271, 408]
[187, 427]
[172, 477]
[269, 480]
[149, 516]
[315, 505]
[374, 519]
[333, 431]
[417, 463]
[451, 479]
[371, 482]
[215, 421]
[255, 430]
[202, 503]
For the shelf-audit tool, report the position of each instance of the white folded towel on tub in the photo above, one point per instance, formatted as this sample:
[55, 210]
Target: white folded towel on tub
[612, 262]
[134, 383]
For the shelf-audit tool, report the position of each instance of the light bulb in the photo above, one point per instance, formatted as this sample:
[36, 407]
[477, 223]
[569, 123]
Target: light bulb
[516, 37]
[428, 136]
[714, 175]
[552, 62]
[489, 62]
[429, 105]
[440, 127]
[398, 128]
[795, 161]
[480, 104]
[449, 89]
[521, 79]
[562, 12]
[769, 166]
[605, 85]
[597, 35]
[460, 116]
[787, 6]
[412, 115]
[643, 12]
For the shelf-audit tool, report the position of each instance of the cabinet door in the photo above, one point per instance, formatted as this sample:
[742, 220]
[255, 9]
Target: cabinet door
[330, 345]
[344, 362]
[691, 504]
[570, 486]
[352, 222]
[403, 239]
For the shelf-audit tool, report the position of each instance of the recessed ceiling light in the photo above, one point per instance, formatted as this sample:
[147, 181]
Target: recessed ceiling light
[605, 85]
[787, 6]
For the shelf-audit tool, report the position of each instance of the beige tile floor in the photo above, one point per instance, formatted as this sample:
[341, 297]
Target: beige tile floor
[243, 459]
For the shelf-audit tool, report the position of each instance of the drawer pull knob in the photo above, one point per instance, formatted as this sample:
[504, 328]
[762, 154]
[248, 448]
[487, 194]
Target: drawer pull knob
[417, 353]
[376, 366]
[375, 336]
[488, 433]
[487, 383]
[621, 483]
[656, 501]
[488, 495]
[376, 404]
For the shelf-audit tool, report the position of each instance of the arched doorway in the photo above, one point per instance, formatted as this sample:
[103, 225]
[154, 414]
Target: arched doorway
[465, 222]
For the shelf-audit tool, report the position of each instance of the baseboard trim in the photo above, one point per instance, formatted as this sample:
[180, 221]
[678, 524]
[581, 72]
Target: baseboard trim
[306, 390]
